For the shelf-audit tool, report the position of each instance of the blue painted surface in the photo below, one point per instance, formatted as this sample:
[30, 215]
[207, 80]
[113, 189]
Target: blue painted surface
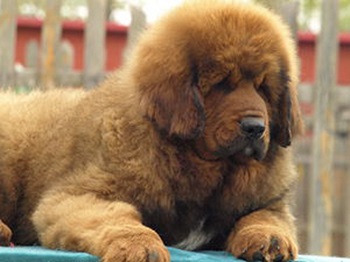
[39, 254]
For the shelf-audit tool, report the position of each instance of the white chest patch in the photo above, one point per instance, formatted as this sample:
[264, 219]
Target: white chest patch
[195, 239]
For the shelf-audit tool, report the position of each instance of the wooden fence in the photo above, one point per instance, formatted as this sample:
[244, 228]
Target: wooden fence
[49, 63]
[323, 201]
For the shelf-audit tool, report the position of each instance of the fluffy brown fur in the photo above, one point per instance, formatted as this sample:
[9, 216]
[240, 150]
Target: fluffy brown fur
[166, 151]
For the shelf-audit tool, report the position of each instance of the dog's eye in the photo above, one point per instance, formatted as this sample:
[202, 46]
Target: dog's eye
[224, 85]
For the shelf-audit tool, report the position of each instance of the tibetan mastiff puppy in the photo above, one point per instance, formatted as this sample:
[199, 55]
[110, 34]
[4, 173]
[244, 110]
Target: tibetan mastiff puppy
[188, 145]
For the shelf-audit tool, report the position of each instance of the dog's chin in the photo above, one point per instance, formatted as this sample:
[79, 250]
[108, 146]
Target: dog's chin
[239, 151]
[243, 151]
[246, 155]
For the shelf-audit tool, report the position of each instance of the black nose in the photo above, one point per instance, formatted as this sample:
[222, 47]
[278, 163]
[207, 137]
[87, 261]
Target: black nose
[253, 127]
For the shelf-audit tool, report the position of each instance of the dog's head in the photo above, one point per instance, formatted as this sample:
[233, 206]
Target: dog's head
[222, 75]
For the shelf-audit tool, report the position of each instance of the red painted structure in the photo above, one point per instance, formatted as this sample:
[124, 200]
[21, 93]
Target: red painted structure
[73, 31]
[307, 54]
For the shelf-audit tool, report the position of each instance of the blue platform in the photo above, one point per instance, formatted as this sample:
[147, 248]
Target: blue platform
[39, 254]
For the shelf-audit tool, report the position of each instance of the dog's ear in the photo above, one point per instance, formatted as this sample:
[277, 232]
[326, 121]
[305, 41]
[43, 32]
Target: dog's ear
[289, 121]
[170, 97]
[164, 72]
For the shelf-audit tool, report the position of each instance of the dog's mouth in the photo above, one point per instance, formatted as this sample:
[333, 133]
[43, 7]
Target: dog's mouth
[246, 155]
[243, 149]
[239, 150]
[253, 152]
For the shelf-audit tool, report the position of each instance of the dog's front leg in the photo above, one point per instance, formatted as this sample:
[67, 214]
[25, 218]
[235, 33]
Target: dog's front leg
[264, 235]
[111, 230]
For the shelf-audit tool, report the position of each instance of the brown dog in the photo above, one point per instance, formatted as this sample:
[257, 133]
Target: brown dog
[187, 146]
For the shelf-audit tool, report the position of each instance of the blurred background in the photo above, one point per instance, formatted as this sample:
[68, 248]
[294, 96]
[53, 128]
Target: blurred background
[76, 43]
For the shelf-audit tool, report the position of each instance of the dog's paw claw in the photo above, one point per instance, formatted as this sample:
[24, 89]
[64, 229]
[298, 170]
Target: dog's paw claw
[258, 256]
[278, 258]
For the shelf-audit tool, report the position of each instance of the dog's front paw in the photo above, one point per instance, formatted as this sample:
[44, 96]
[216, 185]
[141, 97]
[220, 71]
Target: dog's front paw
[262, 243]
[134, 244]
[5, 234]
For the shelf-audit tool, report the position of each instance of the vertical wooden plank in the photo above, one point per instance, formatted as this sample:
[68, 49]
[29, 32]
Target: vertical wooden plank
[320, 217]
[8, 11]
[347, 200]
[345, 124]
[65, 63]
[289, 11]
[50, 43]
[138, 24]
[95, 34]
[32, 55]
[66, 57]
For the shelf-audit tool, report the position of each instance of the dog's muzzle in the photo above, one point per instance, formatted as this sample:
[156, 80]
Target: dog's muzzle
[249, 144]
[253, 129]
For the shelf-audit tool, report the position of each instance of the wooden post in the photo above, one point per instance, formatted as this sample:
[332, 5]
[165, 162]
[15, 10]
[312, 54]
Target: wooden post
[320, 217]
[8, 9]
[95, 34]
[50, 43]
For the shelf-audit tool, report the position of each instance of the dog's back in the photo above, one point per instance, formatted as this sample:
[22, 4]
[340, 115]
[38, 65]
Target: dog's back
[36, 108]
